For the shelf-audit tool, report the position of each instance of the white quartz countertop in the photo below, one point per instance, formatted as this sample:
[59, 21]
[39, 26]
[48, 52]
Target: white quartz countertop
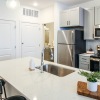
[85, 54]
[40, 86]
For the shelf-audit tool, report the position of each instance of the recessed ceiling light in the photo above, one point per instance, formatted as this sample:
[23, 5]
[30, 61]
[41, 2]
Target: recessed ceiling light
[35, 4]
[12, 3]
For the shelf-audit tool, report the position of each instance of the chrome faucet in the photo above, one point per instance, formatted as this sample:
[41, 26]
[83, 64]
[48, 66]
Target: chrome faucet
[42, 58]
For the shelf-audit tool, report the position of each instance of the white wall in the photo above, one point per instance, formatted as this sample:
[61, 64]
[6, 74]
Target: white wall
[47, 15]
[17, 16]
[51, 32]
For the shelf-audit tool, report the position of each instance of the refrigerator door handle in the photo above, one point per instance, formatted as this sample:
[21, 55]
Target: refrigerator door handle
[72, 37]
[72, 55]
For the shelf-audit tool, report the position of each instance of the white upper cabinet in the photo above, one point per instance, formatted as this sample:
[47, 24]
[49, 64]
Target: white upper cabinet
[64, 17]
[71, 17]
[89, 23]
[76, 17]
[97, 15]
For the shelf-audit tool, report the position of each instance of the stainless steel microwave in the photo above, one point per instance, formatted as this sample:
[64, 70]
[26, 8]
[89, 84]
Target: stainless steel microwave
[97, 32]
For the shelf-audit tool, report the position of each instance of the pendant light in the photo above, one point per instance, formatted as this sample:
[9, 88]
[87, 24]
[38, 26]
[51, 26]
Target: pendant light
[46, 28]
[13, 3]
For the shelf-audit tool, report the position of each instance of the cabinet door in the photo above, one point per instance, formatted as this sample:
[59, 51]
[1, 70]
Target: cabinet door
[89, 23]
[84, 66]
[74, 17]
[64, 18]
[97, 15]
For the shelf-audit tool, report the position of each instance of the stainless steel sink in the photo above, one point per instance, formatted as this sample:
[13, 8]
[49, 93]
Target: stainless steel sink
[53, 69]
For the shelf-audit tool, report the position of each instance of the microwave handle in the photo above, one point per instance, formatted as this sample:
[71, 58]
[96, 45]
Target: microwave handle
[94, 32]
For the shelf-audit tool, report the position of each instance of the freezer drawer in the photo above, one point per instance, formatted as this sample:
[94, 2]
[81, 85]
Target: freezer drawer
[65, 55]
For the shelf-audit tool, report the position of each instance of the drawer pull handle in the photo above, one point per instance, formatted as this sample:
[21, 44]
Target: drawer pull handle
[88, 67]
[84, 59]
[84, 64]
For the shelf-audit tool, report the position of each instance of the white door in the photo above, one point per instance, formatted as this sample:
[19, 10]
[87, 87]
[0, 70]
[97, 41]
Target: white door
[31, 40]
[7, 40]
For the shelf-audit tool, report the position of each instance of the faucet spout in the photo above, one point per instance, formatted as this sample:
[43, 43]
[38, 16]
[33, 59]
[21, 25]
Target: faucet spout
[42, 58]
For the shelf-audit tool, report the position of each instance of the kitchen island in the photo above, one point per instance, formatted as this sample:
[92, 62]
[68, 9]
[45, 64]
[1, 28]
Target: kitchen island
[35, 85]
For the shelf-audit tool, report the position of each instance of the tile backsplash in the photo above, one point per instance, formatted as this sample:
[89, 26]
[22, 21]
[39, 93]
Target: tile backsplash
[92, 44]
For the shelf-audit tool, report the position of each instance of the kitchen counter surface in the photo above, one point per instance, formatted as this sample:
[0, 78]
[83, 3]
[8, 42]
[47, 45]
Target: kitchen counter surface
[40, 86]
[85, 54]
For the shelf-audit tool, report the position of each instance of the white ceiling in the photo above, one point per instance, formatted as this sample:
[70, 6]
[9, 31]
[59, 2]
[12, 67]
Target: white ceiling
[46, 3]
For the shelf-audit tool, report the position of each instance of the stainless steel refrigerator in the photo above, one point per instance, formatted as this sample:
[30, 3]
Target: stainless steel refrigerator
[70, 43]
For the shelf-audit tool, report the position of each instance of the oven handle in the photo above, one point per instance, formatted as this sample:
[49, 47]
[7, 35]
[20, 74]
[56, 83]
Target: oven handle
[95, 59]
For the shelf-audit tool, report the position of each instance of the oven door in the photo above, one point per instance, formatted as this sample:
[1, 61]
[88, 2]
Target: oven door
[97, 31]
[94, 64]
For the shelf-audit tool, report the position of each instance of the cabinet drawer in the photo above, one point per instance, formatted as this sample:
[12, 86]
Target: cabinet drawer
[84, 66]
[84, 59]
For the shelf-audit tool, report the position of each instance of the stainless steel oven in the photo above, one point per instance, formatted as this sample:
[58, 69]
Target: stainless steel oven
[94, 64]
[97, 31]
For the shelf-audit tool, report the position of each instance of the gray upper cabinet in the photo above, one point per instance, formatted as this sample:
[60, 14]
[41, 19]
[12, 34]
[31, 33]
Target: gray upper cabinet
[97, 15]
[71, 17]
[89, 23]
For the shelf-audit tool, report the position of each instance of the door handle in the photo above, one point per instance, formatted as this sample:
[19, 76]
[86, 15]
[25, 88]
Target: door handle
[22, 43]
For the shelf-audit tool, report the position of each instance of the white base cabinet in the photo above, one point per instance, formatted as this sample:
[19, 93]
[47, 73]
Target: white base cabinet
[84, 61]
